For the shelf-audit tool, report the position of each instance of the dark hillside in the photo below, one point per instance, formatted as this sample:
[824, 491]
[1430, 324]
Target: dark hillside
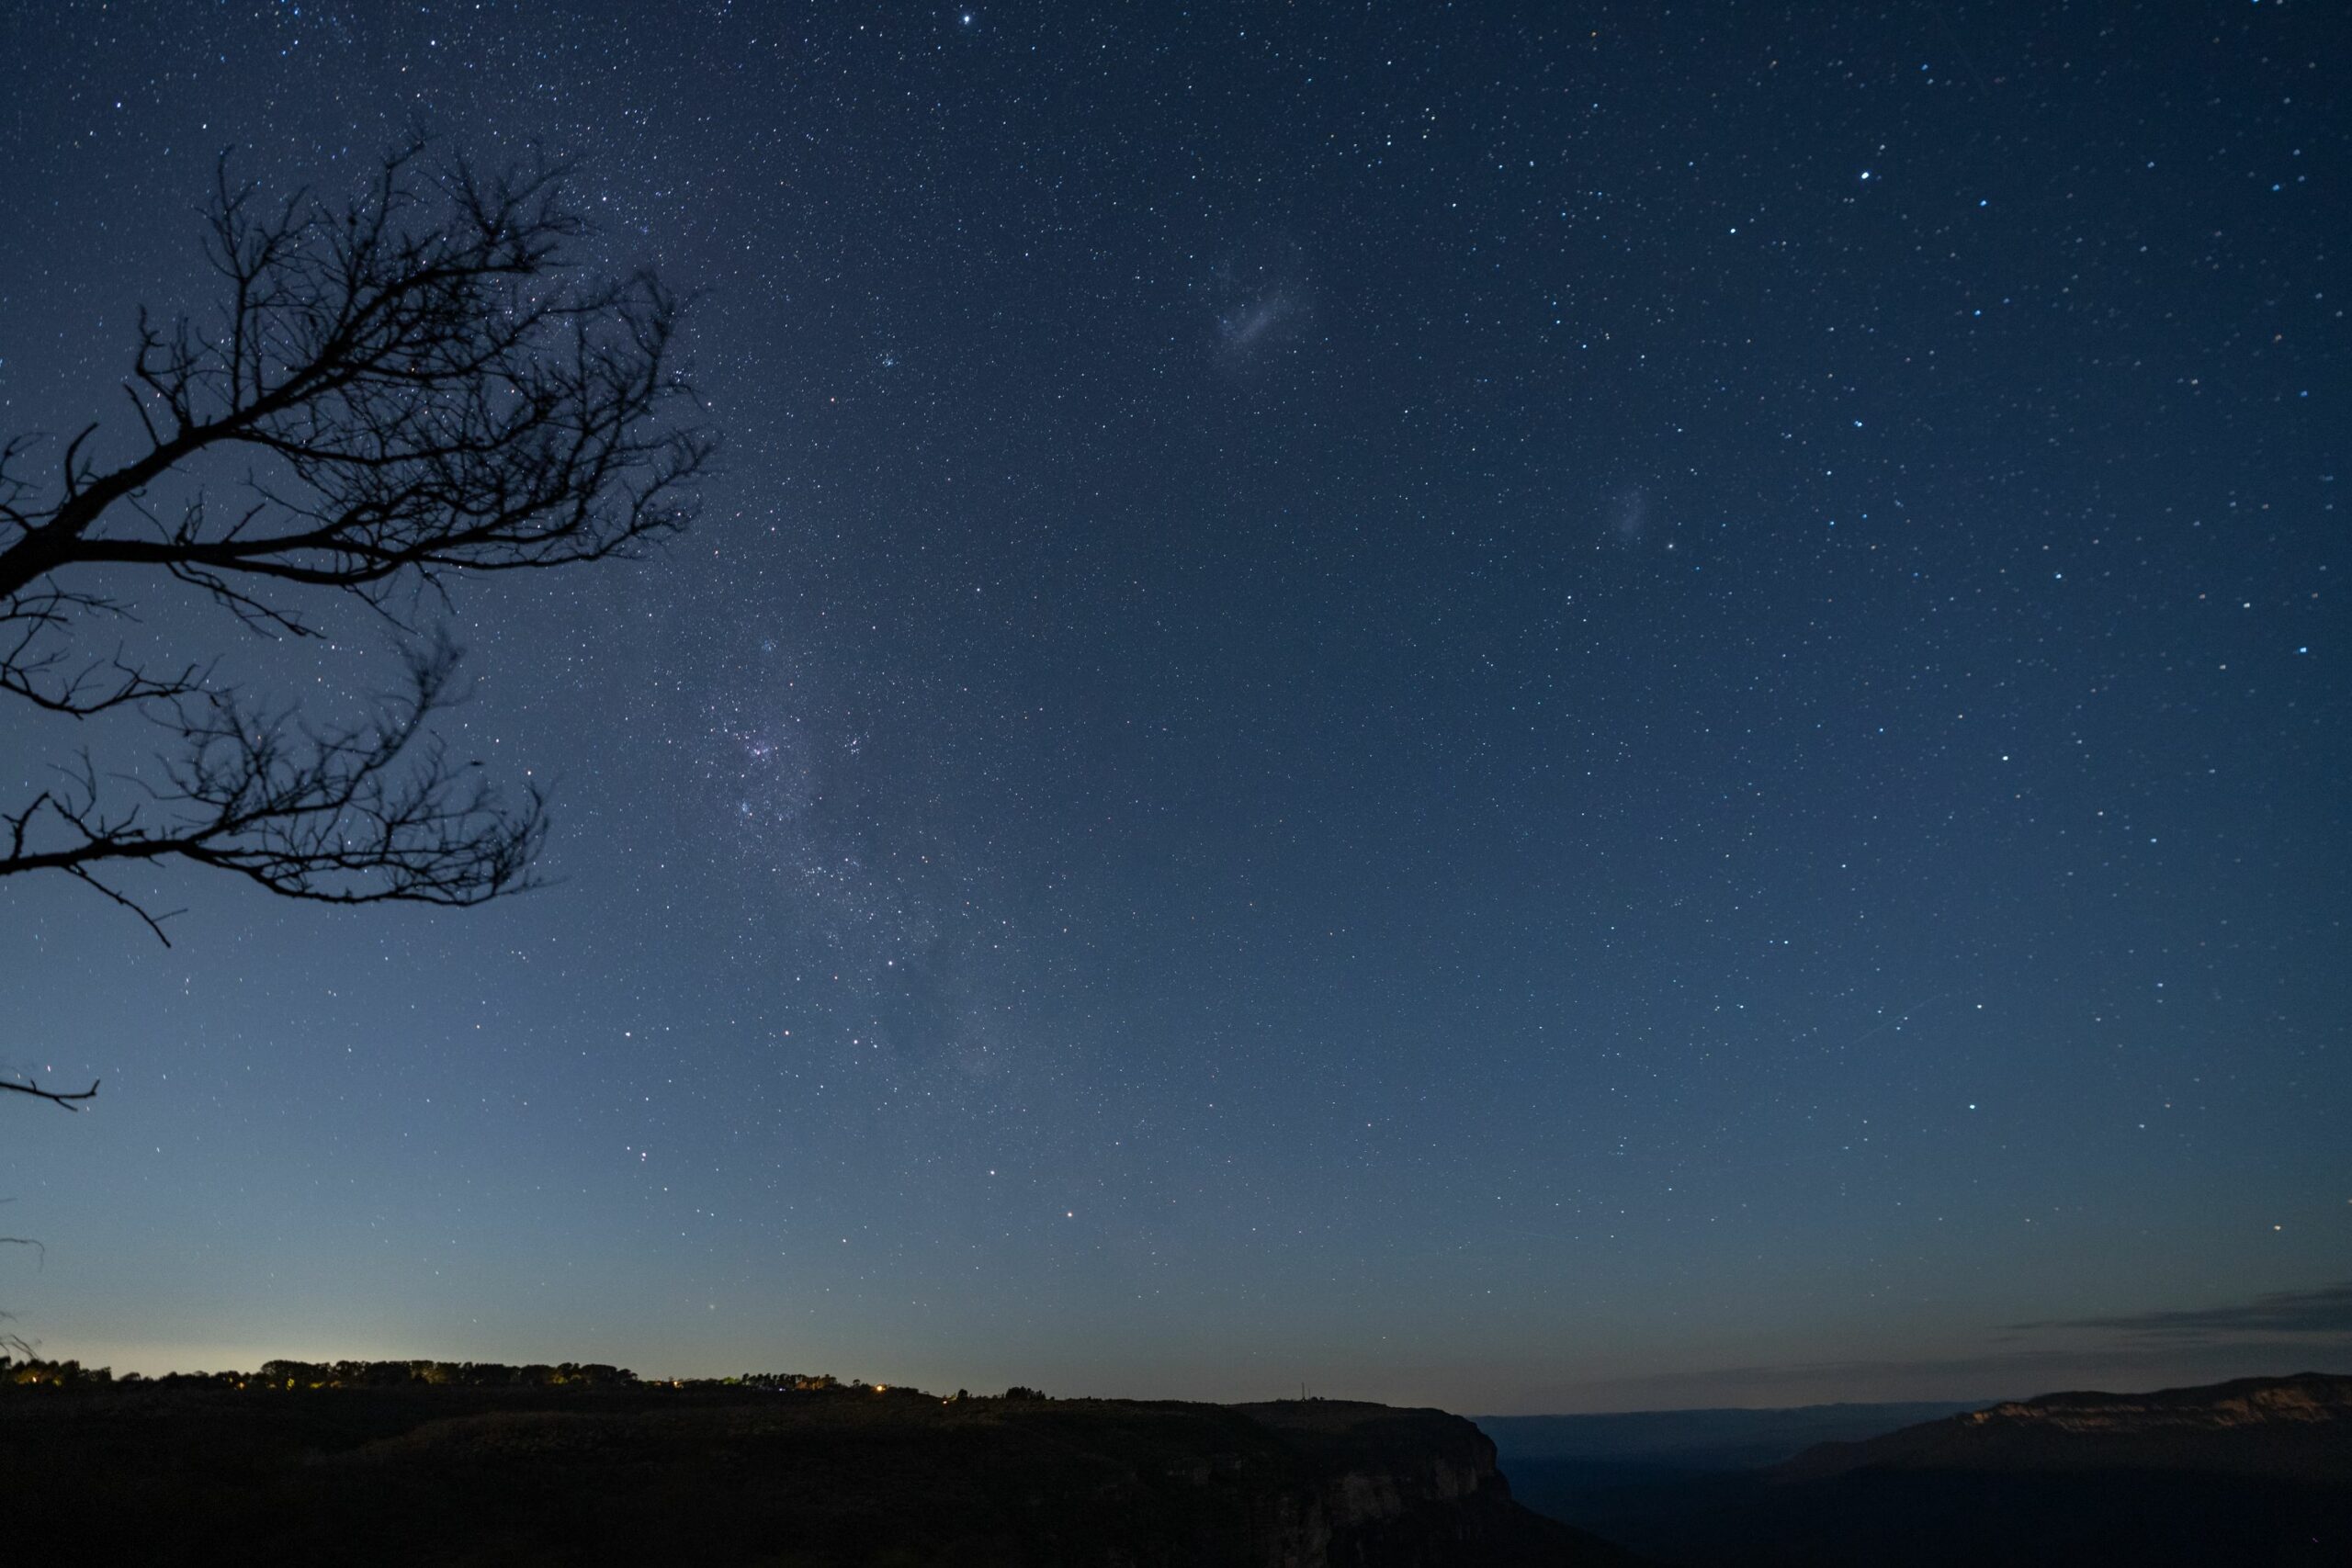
[2257, 1470]
[420, 1474]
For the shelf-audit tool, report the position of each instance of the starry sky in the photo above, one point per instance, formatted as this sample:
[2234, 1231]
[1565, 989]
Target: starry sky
[1545, 708]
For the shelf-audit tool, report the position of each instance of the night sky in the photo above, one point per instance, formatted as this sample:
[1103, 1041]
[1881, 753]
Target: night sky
[1530, 708]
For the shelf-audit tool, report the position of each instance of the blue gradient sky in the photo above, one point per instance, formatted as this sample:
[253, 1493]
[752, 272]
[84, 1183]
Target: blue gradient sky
[1526, 708]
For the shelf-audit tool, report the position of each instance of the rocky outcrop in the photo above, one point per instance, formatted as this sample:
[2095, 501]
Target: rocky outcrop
[1401, 1489]
[2307, 1399]
[2253, 1471]
[2279, 1428]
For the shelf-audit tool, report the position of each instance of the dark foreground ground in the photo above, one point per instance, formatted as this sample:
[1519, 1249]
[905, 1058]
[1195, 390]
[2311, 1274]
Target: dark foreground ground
[457, 1476]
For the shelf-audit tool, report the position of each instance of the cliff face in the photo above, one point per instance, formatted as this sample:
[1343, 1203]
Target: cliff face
[2281, 1428]
[2257, 1470]
[1403, 1489]
[358, 1476]
[2309, 1400]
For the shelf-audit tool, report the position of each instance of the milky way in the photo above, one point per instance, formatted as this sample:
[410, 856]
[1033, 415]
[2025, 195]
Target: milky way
[1500, 710]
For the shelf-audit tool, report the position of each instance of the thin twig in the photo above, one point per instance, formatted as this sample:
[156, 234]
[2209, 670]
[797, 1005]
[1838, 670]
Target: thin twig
[55, 1096]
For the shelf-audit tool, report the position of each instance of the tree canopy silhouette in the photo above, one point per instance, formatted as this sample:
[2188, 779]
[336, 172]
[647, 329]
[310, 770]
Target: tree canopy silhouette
[388, 393]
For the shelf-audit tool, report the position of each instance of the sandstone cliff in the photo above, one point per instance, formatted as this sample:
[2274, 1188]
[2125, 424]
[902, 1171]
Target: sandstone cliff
[2253, 1471]
[2295, 1428]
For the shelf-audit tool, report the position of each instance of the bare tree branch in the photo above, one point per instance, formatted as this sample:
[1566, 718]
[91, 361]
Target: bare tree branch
[55, 1097]
[412, 384]
[358, 814]
[434, 390]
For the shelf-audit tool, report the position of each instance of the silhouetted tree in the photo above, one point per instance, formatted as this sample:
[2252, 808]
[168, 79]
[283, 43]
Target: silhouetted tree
[388, 393]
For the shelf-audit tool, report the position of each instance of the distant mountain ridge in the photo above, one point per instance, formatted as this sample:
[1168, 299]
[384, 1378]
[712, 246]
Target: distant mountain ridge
[2254, 1470]
[2297, 1427]
[1722, 1439]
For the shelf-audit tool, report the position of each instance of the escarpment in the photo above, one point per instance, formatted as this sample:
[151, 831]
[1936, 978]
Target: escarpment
[2279, 1428]
[1405, 1488]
